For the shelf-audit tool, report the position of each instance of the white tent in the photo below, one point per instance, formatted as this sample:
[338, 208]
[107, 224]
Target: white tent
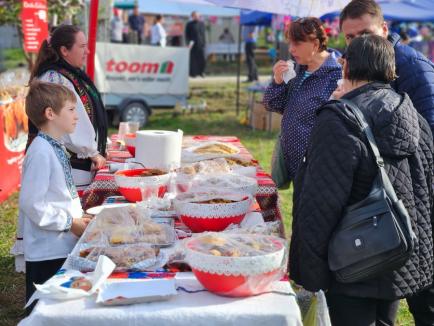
[299, 8]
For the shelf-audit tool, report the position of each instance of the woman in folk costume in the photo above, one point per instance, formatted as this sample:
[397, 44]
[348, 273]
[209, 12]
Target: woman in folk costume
[60, 60]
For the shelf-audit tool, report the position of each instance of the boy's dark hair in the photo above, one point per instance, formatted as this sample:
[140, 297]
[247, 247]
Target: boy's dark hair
[158, 18]
[371, 58]
[358, 8]
[42, 95]
[307, 29]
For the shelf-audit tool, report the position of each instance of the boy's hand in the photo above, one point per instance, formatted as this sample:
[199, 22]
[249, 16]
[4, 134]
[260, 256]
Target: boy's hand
[79, 225]
[98, 162]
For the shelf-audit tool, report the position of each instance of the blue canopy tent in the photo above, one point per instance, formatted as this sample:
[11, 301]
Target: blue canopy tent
[401, 10]
[257, 18]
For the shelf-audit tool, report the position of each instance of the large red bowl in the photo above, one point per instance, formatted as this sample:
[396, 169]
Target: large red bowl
[130, 184]
[212, 217]
[228, 276]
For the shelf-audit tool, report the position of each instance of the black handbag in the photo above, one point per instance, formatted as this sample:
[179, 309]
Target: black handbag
[375, 234]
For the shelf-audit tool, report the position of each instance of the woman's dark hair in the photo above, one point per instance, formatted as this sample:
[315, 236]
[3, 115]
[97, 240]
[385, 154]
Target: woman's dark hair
[307, 29]
[64, 35]
[371, 58]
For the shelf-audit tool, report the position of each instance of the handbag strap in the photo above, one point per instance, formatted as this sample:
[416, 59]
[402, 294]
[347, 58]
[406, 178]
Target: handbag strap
[360, 116]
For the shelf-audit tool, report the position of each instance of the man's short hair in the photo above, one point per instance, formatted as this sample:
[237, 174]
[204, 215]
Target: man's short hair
[42, 95]
[371, 58]
[358, 8]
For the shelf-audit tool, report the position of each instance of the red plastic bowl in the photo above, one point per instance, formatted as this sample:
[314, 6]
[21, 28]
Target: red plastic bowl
[130, 183]
[235, 285]
[210, 224]
[211, 217]
[132, 150]
[130, 143]
[228, 276]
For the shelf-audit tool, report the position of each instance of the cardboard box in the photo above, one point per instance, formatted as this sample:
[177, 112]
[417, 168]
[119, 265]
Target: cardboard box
[258, 118]
[263, 120]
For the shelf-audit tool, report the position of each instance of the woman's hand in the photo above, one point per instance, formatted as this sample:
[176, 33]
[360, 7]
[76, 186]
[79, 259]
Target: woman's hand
[278, 69]
[98, 162]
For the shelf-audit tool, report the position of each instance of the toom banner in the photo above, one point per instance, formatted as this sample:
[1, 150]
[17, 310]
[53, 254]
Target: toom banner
[141, 69]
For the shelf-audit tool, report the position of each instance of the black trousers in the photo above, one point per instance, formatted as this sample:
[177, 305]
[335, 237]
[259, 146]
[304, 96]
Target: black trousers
[38, 272]
[250, 60]
[422, 307]
[353, 311]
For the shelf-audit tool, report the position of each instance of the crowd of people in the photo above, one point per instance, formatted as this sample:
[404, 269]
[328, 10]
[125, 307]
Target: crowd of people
[326, 154]
[330, 163]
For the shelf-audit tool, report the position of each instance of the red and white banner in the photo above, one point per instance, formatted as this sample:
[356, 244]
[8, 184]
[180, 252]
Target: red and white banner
[13, 138]
[34, 24]
[141, 69]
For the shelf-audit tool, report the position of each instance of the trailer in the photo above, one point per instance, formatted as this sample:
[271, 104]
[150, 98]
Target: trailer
[134, 79]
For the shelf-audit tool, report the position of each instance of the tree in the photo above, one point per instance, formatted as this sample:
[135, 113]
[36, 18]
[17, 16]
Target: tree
[58, 11]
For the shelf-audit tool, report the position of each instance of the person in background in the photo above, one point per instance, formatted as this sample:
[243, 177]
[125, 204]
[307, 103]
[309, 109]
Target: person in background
[227, 38]
[116, 27]
[416, 78]
[50, 214]
[158, 34]
[338, 170]
[317, 73]
[249, 37]
[195, 39]
[137, 23]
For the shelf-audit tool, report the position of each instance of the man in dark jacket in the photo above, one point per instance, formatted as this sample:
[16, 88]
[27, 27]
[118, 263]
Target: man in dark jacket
[137, 23]
[415, 72]
[339, 170]
[416, 78]
[195, 38]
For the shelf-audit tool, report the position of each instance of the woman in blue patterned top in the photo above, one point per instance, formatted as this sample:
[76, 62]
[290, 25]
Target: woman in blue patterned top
[317, 72]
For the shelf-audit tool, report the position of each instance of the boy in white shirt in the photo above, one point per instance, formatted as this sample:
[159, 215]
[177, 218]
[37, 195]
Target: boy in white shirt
[49, 207]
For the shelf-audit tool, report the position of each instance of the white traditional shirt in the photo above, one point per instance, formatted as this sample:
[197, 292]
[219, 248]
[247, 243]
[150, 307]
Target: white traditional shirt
[83, 141]
[158, 35]
[47, 204]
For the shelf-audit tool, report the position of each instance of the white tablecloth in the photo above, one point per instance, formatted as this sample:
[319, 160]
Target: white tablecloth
[186, 309]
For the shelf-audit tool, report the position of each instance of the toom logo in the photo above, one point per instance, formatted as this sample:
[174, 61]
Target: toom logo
[140, 67]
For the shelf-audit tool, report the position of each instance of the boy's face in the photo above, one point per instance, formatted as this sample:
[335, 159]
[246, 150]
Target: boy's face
[366, 24]
[65, 121]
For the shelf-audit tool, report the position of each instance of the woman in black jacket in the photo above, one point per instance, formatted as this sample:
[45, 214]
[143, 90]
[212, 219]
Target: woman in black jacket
[338, 170]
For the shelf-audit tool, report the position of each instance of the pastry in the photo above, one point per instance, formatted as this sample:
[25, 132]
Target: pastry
[216, 148]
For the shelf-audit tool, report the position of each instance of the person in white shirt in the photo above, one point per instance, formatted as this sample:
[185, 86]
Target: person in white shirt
[116, 27]
[158, 34]
[50, 212]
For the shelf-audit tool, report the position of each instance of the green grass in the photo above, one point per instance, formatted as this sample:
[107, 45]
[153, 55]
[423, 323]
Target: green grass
[14, 58]
[220, 119]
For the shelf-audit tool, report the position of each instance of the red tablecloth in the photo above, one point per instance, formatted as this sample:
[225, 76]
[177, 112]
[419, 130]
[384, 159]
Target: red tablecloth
[104, 185]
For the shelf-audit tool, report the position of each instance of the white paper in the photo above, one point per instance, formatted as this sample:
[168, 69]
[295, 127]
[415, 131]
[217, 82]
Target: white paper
[53, 289]
[290, 73]
[159, 149]
[136, 291]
